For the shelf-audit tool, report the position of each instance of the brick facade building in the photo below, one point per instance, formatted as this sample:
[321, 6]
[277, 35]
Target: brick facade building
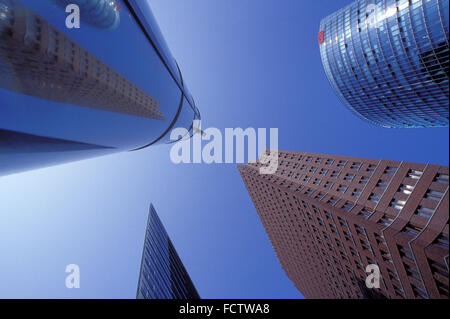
[329, 217]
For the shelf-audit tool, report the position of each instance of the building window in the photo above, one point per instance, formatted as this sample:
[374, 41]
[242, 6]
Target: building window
[382, 184]
[342, 221]
[320, 196]
[406, 189]
[332, 201]
[347, 206]
[365, 245]
[356, 193]
[328, 185]
[328, 215]
[365, 213]
[412, 230]
[434, 195]
[390, 170]
[424, 212]
[419, 292]
[442, 241]
[385, 220]
[335, 174]
[397, 204]
[342, 188]
[364, 180]
[341, 163]
[438, 268]
[349, 177]
[442, 178]
[299, 189]
[374, 198]
[360, 230]
[415, 174]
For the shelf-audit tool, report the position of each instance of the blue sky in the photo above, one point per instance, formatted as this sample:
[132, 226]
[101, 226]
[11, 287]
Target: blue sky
[248, 64]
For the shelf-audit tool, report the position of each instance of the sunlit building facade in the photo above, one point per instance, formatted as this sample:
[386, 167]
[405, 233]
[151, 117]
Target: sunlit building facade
[329, 217]
[162, 275]
[388, 60]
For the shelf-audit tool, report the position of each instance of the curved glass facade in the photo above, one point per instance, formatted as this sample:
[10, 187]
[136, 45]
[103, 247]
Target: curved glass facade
[162, 274]
[388, 60]
[96, 89]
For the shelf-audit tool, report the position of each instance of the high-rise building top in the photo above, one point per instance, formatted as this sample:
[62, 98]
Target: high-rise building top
[162, 275]
[38, 60]
[329, 217]
[388, 60]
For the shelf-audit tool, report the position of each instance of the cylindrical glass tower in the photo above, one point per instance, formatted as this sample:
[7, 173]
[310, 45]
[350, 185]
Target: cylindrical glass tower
[388, 60]
[67, 94]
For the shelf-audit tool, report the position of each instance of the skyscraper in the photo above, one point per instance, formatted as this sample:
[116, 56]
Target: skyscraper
[103, 88]
[388, 60]
[329, 217]
[162, 274]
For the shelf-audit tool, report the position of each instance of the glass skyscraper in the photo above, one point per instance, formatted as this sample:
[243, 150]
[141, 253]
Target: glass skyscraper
[162, 274]
[69, 94]
[388, 60]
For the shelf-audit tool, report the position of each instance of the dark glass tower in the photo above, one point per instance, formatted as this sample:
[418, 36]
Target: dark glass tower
[162, 274]
[388, 60]
[110, 86]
